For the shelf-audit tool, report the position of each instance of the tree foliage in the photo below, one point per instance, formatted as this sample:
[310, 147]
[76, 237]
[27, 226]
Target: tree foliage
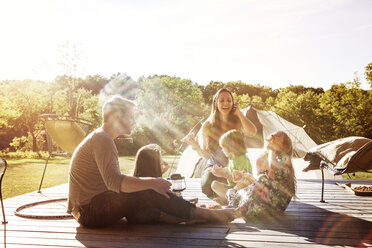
[168, 107]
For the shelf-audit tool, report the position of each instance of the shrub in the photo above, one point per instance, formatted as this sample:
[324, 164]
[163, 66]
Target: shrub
[24, 154]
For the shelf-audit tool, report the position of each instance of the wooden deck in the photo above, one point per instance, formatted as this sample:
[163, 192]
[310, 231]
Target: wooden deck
[344, 220]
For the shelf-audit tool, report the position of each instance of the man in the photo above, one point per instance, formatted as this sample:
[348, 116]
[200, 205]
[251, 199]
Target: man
[99, 195]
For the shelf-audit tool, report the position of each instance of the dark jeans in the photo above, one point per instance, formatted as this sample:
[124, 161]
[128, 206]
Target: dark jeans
[138, 207]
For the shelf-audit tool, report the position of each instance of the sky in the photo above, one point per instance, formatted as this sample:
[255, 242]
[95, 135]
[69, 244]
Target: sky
[275, 43]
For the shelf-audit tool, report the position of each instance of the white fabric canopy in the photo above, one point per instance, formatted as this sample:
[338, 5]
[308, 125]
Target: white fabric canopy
[190, 163]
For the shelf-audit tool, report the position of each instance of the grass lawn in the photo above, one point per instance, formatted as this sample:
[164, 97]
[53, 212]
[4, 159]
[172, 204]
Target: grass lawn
[358, 176]
[24, 175]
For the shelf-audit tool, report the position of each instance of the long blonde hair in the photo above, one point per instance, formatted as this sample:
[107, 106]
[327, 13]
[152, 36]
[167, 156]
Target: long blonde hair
[284, 151]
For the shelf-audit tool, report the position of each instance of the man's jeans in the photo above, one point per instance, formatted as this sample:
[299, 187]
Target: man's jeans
[138, 207]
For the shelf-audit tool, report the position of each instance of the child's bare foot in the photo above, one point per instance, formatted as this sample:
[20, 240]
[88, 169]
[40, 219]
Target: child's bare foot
[214, 206]
[201, 205]
[194, 200]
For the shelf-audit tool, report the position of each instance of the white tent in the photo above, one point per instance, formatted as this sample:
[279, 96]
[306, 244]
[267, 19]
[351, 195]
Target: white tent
[271, 122]
[267, 122]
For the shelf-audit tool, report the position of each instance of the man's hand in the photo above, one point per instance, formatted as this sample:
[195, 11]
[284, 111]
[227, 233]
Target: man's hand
[133, 184]
[161, 186]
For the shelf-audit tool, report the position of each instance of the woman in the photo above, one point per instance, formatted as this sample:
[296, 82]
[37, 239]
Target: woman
[225, 115]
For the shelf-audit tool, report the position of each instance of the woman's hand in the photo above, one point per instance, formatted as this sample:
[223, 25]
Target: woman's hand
[191, 140]
[236, 109]
[249, 129]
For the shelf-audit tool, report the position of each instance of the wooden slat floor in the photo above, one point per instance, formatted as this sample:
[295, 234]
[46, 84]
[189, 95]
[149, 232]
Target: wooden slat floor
[345, 220]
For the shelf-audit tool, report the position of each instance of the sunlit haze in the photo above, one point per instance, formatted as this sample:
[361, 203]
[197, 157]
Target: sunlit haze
[273, 42]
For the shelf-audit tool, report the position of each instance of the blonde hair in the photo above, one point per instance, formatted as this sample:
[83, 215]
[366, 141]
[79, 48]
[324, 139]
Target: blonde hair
[233, 141]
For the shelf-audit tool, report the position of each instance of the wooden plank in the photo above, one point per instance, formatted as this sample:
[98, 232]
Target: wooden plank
[344, 220]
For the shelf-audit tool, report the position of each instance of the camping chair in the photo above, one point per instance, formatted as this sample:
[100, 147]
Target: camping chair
[3, 166]
[347, 155]
[67, 133]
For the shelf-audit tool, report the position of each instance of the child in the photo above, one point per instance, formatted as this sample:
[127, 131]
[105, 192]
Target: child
[276, 185]
[149, 162]
[239, 169]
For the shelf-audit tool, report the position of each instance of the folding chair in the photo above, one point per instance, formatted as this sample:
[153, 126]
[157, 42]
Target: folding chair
[3, 166]
[347, 155]
[65, 132]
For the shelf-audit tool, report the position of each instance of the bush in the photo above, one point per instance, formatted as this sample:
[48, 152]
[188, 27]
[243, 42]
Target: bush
[24, 154]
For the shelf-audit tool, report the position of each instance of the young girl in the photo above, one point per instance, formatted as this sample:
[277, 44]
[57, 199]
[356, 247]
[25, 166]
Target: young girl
[149, 162]
[225, 115]
[239, 170]
[275, 187]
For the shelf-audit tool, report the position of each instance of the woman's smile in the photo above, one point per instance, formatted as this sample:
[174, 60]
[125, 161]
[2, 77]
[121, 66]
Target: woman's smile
[225, 102]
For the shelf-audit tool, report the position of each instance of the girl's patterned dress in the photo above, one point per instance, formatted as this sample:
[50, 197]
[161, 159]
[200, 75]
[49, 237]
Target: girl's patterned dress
[269, 195]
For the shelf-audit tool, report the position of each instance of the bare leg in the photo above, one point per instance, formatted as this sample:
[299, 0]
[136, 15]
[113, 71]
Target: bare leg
[214, 215]
[202, 215]
[220, 189]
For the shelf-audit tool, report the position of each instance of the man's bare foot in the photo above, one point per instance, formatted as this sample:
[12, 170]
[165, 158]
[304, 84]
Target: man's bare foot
[215, 215]
[195, 221]
[224, 215]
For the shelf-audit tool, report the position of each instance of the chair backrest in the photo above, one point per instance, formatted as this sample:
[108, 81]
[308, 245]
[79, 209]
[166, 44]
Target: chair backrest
[346, 155]
[361, 161]
[66, 131]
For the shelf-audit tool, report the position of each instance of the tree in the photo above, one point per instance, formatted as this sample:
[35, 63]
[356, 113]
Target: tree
[8, 117]
[168, 108]
[241, 88]
[29, 99]
[93, 83]
[304, 110]
[368, 74]
[69, 60]
[350, 108]
[300, 89]
[211, 89]
[120, 84]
